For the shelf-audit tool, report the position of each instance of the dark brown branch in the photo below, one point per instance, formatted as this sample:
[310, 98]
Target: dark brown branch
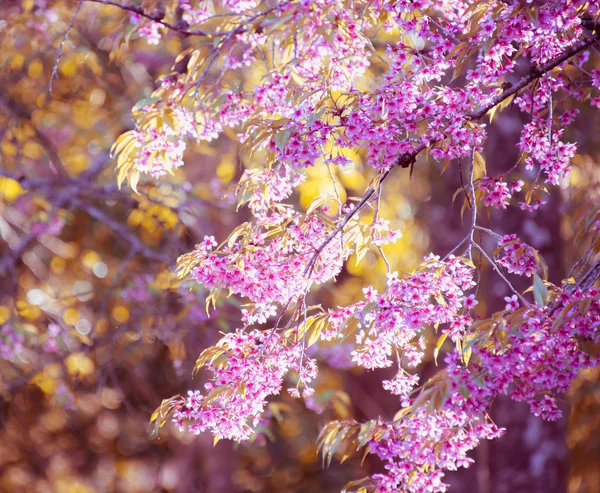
[122, 231]
[20, 112]
[534, 74]
[589, 278]
[408, 160]
[181, 28]
[11, 259]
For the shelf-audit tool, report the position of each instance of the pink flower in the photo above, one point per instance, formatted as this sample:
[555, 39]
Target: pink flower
[518, 257]
[470, 302]
[495, 193]
[512, 303]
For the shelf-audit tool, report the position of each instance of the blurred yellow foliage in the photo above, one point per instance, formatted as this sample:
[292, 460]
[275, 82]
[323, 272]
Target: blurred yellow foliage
[79, 365]
[10, 189]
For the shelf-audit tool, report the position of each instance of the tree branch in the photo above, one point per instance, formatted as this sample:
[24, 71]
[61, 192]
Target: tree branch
[122, 231]
[408, 160]
[60, 48]
[534, 74]
[23, 113]
[181, 28]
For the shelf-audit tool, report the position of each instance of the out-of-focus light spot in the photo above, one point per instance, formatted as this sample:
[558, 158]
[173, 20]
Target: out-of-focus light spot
[17, 61]
[4, 314]
[102, 326]
[404, 211]
[226, 171]
[89, 259]
[120, 314]
[78, 364]
[35, 69]
[68, 68]
[45, 382]
[10, 189]
[94, 148]
[54, 421]
[167, 280]
[71, 316]
[169, 476]
[58, 265]
[108, 425]
[100, 270]
[69, 250]
[36, 296]
[97, 97]
[77, 162]
[32, 150]
[28, 310]
[8, 149]
[83, 326]
[110, 398]
[135, 218]
[83, 290]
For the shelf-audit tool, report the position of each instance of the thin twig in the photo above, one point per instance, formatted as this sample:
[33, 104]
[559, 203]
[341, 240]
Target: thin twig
[375, 219]
[62, 43]
[488, 231]
[497, 269]
[550, 119]
[473, 206]
[466, 238]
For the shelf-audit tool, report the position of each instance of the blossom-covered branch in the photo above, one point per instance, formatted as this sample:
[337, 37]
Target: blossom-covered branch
[443, 67]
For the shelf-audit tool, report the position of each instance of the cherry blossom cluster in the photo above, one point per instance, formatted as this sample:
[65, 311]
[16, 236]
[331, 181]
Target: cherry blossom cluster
[328, 54]
[159, 151]
[518, 257]
[420, 446]
[264, 190]
[331, 49]
[495, 192]
[147, 29]
[309, 106]
[552, 155]
[390, 325]
[194, 12]
[270, 270]
[540, 353]
[382, 234]
[247, 367]
[532, 358]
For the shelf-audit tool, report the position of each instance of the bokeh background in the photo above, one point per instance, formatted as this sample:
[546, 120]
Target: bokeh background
[96, 330]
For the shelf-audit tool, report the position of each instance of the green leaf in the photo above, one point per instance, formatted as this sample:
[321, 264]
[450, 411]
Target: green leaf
[365, 433]
[540, 291]
[143, 103]
[281, 139]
